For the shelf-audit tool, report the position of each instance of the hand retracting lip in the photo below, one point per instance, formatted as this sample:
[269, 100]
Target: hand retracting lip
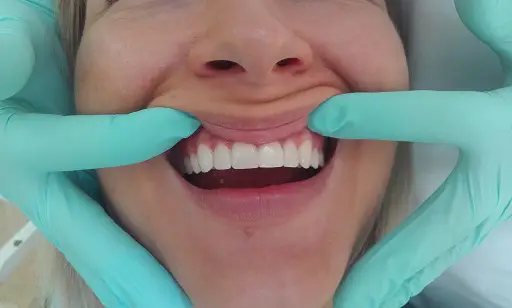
[256, 127]
[266, 121]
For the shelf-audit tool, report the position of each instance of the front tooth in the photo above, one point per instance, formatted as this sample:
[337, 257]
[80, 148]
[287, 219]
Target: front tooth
[195, 164]
[315, 159]
[271, 155]
[305, 154]
[222, 157]
[188, 166]
[291, 155]
[205, 158]
[321, 159]
[244, 156]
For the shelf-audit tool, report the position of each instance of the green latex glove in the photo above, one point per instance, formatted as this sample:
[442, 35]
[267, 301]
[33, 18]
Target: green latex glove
[40, 141]
[474, 199]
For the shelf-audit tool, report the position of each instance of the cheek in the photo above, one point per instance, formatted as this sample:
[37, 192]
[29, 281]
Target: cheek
[375, 160]
[117, 70]
[134, 199]
[369, 178]
[375, 69]
[364, 48]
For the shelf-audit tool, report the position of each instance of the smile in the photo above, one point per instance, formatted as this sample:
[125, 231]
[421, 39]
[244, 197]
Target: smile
[253, 183]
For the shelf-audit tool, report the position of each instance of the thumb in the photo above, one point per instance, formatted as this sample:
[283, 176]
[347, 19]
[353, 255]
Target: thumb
[65, 143]
[463, 119]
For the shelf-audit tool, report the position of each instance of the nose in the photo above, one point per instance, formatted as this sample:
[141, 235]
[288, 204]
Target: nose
[249, 45]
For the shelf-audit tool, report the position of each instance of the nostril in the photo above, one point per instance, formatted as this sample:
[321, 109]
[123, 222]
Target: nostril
[288, 62]
[222, 65]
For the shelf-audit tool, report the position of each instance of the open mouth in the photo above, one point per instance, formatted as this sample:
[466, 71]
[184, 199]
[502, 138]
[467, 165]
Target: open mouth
[211, 163]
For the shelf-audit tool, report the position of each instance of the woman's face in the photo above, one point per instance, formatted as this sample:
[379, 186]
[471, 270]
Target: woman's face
[270, 213]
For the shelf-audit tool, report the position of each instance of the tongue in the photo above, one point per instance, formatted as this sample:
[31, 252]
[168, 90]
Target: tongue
[249, 178]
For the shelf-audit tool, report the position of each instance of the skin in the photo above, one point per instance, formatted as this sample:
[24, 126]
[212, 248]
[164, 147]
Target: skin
[147, 53]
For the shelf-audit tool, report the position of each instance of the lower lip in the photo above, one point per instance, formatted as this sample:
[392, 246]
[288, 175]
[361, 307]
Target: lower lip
[260, 206]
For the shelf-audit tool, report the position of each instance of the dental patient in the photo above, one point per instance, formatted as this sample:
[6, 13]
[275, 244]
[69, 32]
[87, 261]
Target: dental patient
[254, 210]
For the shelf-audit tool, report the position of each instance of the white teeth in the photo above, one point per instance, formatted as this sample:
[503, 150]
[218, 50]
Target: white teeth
[291, 155]
[244, 156]
[188, 166]
[247, 156]
[195, 164]
[305, 154]
[222, 157]
[315, 159]
[271, 155]
[205, 158]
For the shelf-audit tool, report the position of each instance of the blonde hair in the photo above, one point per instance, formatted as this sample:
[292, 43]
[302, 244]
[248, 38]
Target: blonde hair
[63, 286]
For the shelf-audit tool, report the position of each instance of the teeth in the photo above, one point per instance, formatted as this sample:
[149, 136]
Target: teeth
[315, 159]
[195, 164]
[247, 156]
[222, 157]
[271, 155]
[205, 158]
[305, 154]
[244, 156]
[188, 166]
[291, 155]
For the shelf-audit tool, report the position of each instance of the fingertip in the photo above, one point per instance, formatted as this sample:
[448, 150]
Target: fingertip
[184, 124]
[188, 123]
[169, 121]
[327, 118]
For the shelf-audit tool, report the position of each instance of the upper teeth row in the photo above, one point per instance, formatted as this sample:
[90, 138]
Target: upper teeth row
[248, 156]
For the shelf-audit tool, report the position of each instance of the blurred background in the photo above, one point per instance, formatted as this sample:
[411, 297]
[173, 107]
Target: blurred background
[20, 290]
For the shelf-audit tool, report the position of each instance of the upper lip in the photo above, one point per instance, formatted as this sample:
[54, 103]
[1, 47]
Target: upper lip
[260, 126]
[247, 123]
[257, 132]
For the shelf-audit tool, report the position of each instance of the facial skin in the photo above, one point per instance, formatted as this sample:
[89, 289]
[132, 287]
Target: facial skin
[145, 53]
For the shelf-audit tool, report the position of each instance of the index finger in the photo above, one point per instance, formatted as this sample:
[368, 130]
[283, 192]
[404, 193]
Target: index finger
[464, 119]
[64, 143]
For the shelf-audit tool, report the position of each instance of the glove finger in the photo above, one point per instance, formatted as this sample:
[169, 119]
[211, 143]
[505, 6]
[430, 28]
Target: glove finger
[464, 119]
[414, 285]
[445, 228]
[88, 182]
[64, 143]
[16, 56]
[490, 21]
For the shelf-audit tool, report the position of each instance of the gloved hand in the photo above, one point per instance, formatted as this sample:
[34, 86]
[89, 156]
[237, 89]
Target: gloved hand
[40, 142]
[475, 198]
